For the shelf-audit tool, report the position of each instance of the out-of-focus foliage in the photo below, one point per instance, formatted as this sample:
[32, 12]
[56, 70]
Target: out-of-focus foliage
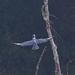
[19, 19]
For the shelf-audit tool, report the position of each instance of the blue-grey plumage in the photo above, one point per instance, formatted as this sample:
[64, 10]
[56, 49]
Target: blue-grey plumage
[34, 42]
[35, 46]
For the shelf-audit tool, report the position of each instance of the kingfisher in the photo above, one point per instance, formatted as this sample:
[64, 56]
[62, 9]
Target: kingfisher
[34, 42]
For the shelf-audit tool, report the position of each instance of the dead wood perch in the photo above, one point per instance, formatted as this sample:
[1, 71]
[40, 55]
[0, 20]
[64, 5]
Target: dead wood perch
[37, 67]
[45, 14]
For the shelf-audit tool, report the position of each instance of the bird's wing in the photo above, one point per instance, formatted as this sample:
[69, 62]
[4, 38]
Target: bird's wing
[38, 41]
[27, 43]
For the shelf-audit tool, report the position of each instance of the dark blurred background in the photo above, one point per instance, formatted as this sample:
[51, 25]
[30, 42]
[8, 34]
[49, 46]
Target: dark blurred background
[19, 20]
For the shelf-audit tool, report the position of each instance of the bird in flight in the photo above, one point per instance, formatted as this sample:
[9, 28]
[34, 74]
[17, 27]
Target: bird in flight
[34, 42]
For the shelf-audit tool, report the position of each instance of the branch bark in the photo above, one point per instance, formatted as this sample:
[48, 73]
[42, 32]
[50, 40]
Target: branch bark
[37, 67]
[45, 14]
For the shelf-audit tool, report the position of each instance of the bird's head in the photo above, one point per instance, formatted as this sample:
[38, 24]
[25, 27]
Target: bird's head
[34, 36]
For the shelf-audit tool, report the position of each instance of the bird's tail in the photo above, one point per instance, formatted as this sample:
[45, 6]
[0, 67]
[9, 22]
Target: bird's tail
[35, 47]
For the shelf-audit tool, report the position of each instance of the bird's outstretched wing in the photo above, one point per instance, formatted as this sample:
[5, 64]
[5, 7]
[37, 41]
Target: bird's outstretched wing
[27, 43]
[39, 41]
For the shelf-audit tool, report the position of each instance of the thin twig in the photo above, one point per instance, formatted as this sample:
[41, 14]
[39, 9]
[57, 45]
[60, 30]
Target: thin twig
[37, 67]
[70, 61]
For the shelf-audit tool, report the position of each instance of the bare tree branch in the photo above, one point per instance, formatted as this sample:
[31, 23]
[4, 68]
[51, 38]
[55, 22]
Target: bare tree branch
[68, 64]
[45, 14]
[37, 67]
